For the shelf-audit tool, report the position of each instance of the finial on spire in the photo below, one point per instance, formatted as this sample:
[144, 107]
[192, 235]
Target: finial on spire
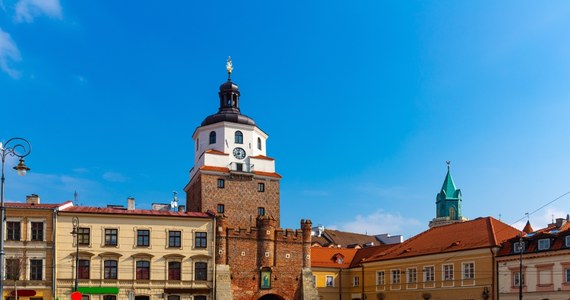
[448, 162]
[229, 67]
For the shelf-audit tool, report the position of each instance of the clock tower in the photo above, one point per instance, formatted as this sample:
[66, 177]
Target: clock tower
[232, 174]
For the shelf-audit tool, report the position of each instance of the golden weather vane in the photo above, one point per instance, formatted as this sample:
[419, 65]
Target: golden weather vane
[229, 66]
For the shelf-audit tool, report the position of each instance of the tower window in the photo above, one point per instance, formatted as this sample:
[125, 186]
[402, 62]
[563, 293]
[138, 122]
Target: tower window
[197, 144]
[261, 211]
[221, 208]
[261, 187]
[221, 183]
[259, 143]
[212, 137]
[239, 137]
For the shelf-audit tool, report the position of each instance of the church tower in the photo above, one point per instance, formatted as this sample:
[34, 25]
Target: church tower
[448, 202]
[232, 174]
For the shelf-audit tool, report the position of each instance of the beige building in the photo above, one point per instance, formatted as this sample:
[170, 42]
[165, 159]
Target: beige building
[545, 264]
[133, 254]
[29, 249]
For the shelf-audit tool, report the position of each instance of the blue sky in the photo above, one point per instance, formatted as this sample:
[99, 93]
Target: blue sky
[363, 102]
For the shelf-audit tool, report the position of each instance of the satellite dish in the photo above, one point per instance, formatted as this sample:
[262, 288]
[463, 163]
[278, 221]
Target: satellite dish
[174, 202]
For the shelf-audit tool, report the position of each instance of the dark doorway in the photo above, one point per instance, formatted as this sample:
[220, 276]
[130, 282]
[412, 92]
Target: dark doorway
[271, 297]
[142, 298]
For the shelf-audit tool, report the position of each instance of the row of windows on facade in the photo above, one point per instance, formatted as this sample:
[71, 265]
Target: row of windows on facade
[14, 269]
[517, 279]
[543, 244]
[468, 273]
[14, 231]
[221, 208]
[110, 270]
[143, 238]
[238, 138]
[222, 184]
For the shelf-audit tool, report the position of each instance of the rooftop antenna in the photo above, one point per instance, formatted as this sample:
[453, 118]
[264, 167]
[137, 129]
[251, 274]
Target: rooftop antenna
[500, 217]
[75, 196]
[174, 202]
[229, 67]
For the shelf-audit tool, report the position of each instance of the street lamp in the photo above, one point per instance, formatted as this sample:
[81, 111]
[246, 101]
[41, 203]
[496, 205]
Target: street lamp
[75, 233]
[20, 148]
[521, 249]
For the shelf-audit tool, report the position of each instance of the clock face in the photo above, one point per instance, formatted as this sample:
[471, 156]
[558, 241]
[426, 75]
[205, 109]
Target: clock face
[239, 153]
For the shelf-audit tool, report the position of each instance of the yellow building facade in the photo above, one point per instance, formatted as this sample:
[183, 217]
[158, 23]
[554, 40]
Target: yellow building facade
[130, 254]
[29, 249]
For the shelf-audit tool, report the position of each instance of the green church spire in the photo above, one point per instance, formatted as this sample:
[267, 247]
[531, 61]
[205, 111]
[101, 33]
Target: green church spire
[448, 201]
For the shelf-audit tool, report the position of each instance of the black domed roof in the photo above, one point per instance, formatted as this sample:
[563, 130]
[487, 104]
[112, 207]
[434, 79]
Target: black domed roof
[229, 107]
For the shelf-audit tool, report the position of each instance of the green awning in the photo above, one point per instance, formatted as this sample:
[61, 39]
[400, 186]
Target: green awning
[99, 290]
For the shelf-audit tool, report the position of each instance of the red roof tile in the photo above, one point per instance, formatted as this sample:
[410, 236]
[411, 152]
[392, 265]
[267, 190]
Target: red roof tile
[262, 157]
[139, 212]
[475, 234]
[329, 257]
[268, 174]
[212, 151]
[217, 169]
[34, 206]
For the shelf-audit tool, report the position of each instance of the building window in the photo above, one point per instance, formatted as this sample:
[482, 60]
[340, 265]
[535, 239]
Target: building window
[83, 236]
[110, 269]
[518, 247]
[197, 144]
[261, 187]
[212, 137]
[109, 297]
[174, 297]
[412, 275]
[36, 268]
[380, 280]
[13, 231]
[13, 269]
[221, 208]
[221, 183]
[85, 297]
[518, 279]
[543, 244]
[568, 241]
[111, 237]
[37, 231]
[261, 211]
[200, 240]
[200, 297]
[143, 237]
[447, 272]
[143, 269]
[201, 271]
[395, 278]
[259, 143]
[83, 271]
[174, 270]
[429, 274]
[469, 270]
[329, 281]
[355, 281]
[239, 137]
[567, 271]
[174, 239]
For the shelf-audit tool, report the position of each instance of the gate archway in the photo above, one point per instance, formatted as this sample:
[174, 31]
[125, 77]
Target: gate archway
[271, 297]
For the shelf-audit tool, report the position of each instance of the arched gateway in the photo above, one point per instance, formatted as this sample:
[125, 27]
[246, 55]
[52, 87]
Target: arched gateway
[271, 297]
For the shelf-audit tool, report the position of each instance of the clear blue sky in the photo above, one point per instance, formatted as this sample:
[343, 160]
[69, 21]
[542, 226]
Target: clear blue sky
[363, 102]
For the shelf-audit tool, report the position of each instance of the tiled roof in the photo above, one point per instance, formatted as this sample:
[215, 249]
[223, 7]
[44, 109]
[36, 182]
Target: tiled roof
[25, 205]
[344, 239]
[329, 257]
[475, 234]
[139, 212]
[557, 235]
[217, 169]
[268, 174]
[368, 253]
[262, 157]
[212, 151]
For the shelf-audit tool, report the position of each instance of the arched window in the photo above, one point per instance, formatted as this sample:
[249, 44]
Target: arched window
[259, 143]
[212, 137]
[239, 137]
[452, 215]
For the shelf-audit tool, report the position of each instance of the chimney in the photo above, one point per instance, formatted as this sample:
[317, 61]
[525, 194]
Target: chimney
[181, 208]
[130, 203]
[560, 222]
[33, 199]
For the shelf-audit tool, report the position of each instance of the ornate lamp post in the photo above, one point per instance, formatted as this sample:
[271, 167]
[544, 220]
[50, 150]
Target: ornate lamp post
[20, 148]
[75, 233]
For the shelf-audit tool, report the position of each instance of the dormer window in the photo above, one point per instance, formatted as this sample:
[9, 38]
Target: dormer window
[259, 143]
[212, 137]
[239, 137]
[543, 244]
[518, 247]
